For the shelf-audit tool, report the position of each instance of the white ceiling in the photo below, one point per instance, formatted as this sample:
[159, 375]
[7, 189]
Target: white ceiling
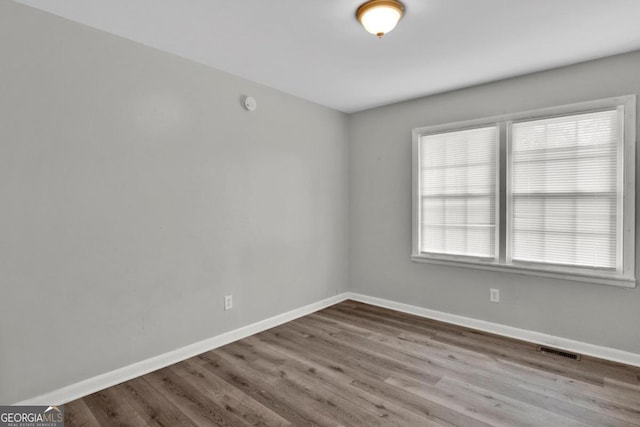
[316, 49]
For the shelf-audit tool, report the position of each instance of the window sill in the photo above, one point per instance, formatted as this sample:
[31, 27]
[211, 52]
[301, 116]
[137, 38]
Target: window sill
[625, 282]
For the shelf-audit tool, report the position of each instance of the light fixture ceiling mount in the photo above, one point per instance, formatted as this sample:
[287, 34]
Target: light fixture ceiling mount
[380, 16]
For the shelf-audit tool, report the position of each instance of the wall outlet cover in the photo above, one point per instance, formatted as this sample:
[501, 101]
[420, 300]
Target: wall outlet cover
[494, 295]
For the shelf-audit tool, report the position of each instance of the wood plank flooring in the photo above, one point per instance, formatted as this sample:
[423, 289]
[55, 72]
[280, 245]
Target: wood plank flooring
[354, 364]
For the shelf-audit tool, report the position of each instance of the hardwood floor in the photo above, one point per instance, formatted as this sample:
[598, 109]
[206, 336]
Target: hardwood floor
[356, 364]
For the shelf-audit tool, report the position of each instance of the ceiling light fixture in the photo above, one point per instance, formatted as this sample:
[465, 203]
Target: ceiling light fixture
[380, 16]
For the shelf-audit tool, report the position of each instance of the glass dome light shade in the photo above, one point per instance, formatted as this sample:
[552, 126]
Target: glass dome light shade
[380, 16]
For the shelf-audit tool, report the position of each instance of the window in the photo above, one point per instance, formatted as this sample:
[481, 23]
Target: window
[564, 190]
[567, 208]
[458, 192]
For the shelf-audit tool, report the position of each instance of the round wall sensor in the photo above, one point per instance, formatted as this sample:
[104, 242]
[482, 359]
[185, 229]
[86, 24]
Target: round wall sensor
[249, 103]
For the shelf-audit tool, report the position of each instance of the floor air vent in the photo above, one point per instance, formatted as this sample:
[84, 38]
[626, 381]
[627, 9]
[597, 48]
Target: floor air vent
[557, 352]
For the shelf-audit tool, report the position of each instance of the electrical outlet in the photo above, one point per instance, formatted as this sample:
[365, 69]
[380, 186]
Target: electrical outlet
[494, 295]
[228, 302]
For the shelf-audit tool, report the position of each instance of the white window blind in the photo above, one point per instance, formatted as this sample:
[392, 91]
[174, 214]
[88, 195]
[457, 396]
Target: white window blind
[565, 197]
[458, 192]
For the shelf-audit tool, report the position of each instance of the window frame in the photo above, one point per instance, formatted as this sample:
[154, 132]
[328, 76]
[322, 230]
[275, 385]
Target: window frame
[624, 277]
[417, 205]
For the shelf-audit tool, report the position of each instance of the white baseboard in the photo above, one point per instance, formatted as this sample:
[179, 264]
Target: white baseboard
[507, 331]
[109, 379]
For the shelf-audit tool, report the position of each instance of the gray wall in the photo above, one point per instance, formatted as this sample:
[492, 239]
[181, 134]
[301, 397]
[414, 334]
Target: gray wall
[380, 213]
[135, 193]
